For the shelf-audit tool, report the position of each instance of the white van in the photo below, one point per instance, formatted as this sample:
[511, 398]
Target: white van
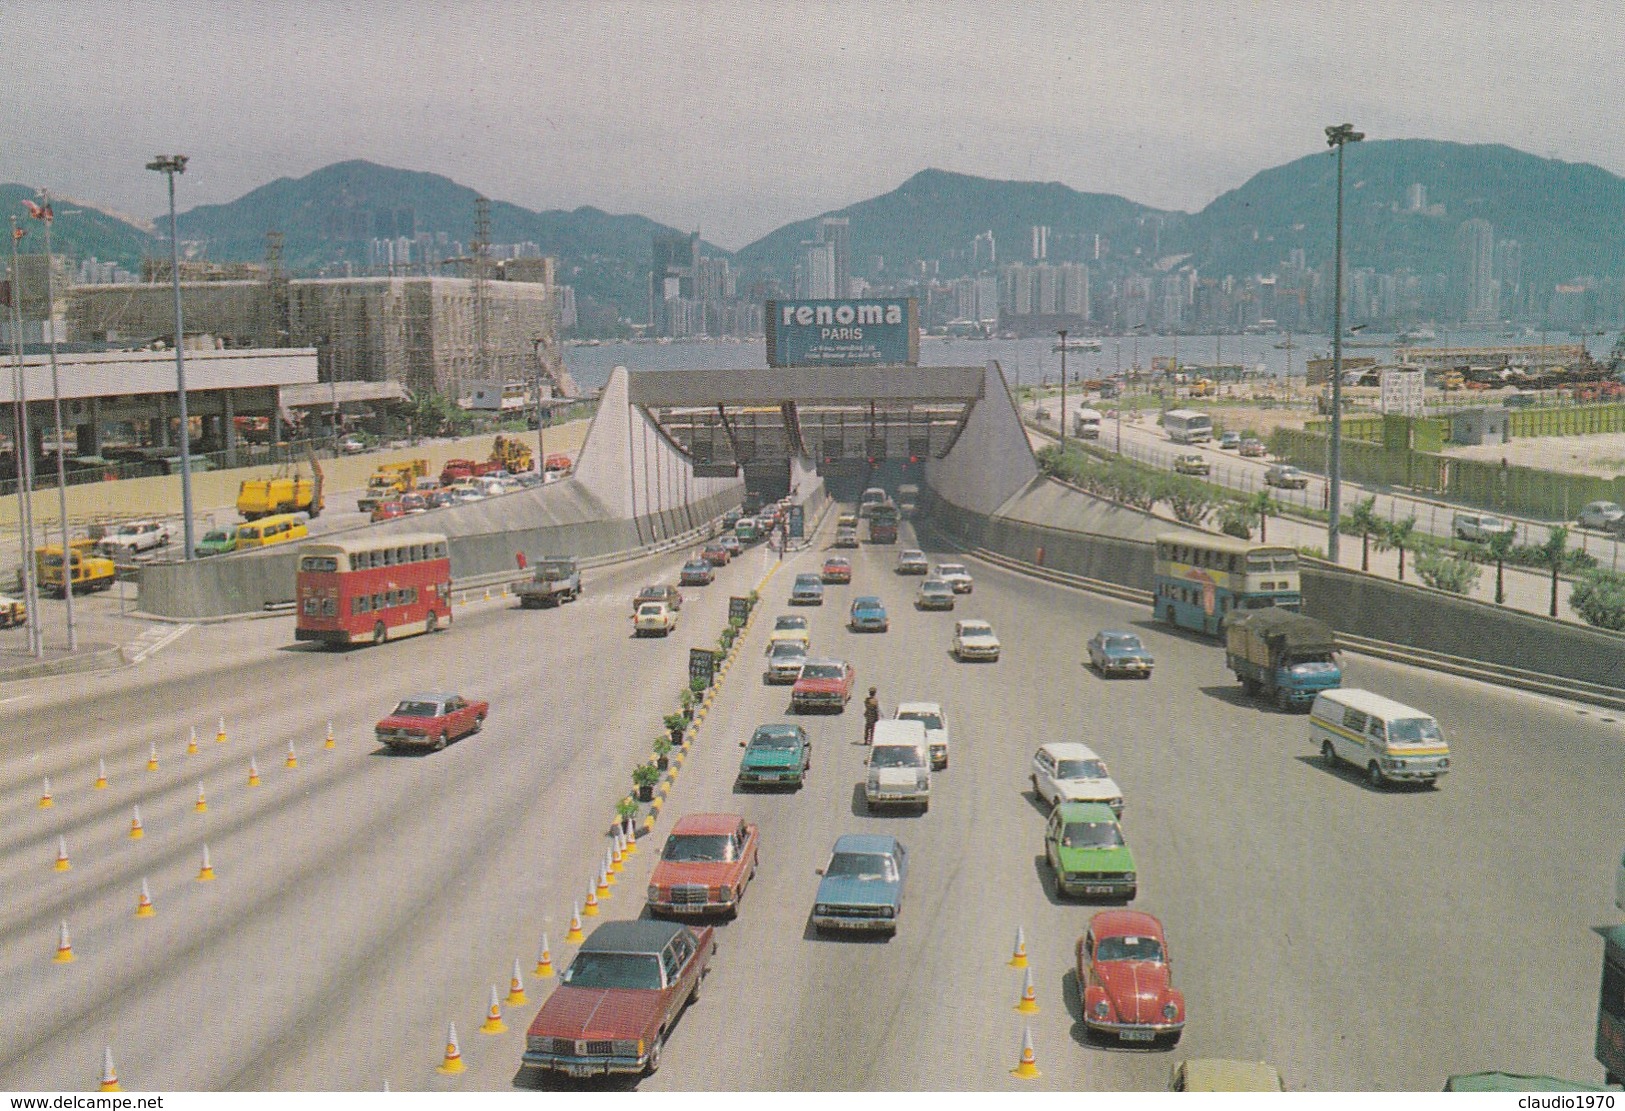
[899, 766]
[1391, 741]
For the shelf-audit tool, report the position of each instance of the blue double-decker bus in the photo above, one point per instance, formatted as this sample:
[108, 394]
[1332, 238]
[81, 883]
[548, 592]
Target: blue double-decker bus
[1200, 579]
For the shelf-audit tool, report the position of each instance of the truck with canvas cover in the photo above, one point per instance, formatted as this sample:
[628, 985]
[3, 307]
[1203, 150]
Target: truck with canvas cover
[1283, 656]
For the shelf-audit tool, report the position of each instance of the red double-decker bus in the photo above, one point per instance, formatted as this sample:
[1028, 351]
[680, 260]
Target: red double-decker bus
[372, 589]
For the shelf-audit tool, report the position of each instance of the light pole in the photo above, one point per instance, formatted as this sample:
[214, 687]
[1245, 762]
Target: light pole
[43, 213]
[169, 165]
[541, 443]
[1339, 136]
[1063, 387]
[24, 440]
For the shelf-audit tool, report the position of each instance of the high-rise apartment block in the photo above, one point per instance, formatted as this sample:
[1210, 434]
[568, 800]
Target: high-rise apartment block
[837, 232]
[1475, 269]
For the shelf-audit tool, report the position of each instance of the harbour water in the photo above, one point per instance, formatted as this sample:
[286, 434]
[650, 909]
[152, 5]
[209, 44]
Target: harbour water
[1029, 361]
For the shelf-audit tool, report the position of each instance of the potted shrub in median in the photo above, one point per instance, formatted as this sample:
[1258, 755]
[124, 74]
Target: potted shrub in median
[686, 701]
[645, 776]
[697, 687]
[626, 808]
[675, 724]
[662, 749]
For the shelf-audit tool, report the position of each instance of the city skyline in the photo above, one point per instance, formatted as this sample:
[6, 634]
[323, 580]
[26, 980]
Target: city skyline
[556, 107]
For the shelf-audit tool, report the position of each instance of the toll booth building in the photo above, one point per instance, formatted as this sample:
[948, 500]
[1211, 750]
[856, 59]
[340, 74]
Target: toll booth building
[1480, 426]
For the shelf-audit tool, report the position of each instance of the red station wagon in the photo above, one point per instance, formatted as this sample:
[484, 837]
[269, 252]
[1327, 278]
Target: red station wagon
[431, 720]
[706, 863]
[619, 999]
[1125, 979]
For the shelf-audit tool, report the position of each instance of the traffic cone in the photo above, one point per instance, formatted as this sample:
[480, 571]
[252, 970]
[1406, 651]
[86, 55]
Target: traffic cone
[191, 742]
[454, 1057]
[544, 962]
[101, 776]
[136, 831]
[253, 773]
[516, 988]
[1028, 1068]
[1019, 958]
[493, 1023]
[631, 837]
[330, 742]
[615, 855]
[602, 890]
[1029, 997]
[293, 757]
[202, 804]
[64, 945]
[62, 864]
[220, 737]
[590, 907]
[205, 873]
[109, 1081]
[45, 799]
[143, 907]
[152, 758]
[609, 868]
[574, 935]
[622, 847]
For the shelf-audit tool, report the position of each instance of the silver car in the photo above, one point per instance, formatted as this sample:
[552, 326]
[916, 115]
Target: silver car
[784, 660]
[934, 594]
[1605, 515]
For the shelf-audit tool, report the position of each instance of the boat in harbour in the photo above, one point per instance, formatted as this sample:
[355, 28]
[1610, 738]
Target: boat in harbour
[1077, 343]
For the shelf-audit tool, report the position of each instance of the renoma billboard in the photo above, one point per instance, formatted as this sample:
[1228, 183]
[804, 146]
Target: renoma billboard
[843, 332]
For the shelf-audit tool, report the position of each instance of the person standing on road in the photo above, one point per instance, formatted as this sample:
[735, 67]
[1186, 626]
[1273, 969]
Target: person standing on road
[871, 714]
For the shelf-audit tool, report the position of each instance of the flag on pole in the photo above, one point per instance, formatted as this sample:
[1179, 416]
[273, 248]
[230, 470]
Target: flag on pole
[39, 212]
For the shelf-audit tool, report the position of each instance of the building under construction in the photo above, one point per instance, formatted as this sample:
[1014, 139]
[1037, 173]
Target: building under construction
[427, 333]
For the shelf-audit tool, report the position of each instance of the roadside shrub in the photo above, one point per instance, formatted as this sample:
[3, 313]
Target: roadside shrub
[1236, 519]
[1446, 572]
[1599, 597]
[1534, 555]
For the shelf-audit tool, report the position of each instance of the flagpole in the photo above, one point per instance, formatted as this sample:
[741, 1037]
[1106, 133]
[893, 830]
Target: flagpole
[56, 403]
[25, 461]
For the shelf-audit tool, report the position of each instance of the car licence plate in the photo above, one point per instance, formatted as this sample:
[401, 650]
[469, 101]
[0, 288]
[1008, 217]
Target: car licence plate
[1139, 1035]
[580, 1070]
[1097, 889]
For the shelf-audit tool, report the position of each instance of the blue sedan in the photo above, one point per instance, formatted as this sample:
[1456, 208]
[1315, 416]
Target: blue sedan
[868, 615]
[862, 888]
[807, 591]
[1115, 652]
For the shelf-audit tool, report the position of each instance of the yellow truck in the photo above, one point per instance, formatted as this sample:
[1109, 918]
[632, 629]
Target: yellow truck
[391, 480]
[513, 453]
[89, 571]
[282, 493]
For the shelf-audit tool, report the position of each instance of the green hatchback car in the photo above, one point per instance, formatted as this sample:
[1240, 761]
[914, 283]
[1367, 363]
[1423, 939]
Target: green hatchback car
[217, 542]
[777, 755]
[1084, 845]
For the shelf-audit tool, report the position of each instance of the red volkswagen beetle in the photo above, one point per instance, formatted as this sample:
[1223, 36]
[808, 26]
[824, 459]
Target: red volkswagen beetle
[704, 867]
[1124, 977]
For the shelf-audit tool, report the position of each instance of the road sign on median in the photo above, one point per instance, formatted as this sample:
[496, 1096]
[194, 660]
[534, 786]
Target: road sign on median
[702, 664]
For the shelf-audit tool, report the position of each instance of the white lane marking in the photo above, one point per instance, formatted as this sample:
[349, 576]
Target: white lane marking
[155, 639]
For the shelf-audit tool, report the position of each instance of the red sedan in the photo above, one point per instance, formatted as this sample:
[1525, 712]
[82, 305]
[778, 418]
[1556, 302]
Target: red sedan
[823, 685]
[837, 569]
[707, 861]
[1125, 979]
[716, 555]
[388, 511]
[619, 999]
[431, 720]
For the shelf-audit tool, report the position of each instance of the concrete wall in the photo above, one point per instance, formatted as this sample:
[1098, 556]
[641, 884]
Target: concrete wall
[991, 461]
[1351, 602]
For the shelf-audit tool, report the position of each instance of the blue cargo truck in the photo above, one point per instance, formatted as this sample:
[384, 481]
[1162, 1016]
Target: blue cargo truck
[1282, 656]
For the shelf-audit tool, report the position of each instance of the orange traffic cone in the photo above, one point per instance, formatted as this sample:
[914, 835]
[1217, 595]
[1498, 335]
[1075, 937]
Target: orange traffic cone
[1028, 1004]
[544, 962]
[64, 945]
[101, 776]
[109, 1081]
[610, 867]
[205, 873]
[62, 864]
[253, 773]
[293, 757]
[1028, 1068]
[454, 1056]
[615, 854]
[143, 907]
[220, 737]
[516, 988]
[574, 935]
[45, 799]
[202, 804]
[603, 884]
[631, 838]
[493, 1023]
[590, 907]
[137, 831]
[152, 758]
[330, 742]
[191, 743]
[1019, 958]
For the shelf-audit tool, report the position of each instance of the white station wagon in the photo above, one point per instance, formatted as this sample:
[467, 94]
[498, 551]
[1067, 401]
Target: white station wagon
[1068, 772]
[975, 640]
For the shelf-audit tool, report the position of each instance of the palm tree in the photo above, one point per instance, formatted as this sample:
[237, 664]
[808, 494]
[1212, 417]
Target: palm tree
[1500, 546]
[1553, 554]
[1363, 519]
[1396, 534]
[1262, 506]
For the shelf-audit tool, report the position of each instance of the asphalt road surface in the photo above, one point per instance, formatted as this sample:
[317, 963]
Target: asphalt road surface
[1355, 939]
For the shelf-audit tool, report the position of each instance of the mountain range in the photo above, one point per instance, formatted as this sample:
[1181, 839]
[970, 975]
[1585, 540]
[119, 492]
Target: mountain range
[1565, 216]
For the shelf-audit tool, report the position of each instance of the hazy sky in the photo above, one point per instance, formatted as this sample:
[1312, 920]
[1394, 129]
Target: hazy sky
[735, 118]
